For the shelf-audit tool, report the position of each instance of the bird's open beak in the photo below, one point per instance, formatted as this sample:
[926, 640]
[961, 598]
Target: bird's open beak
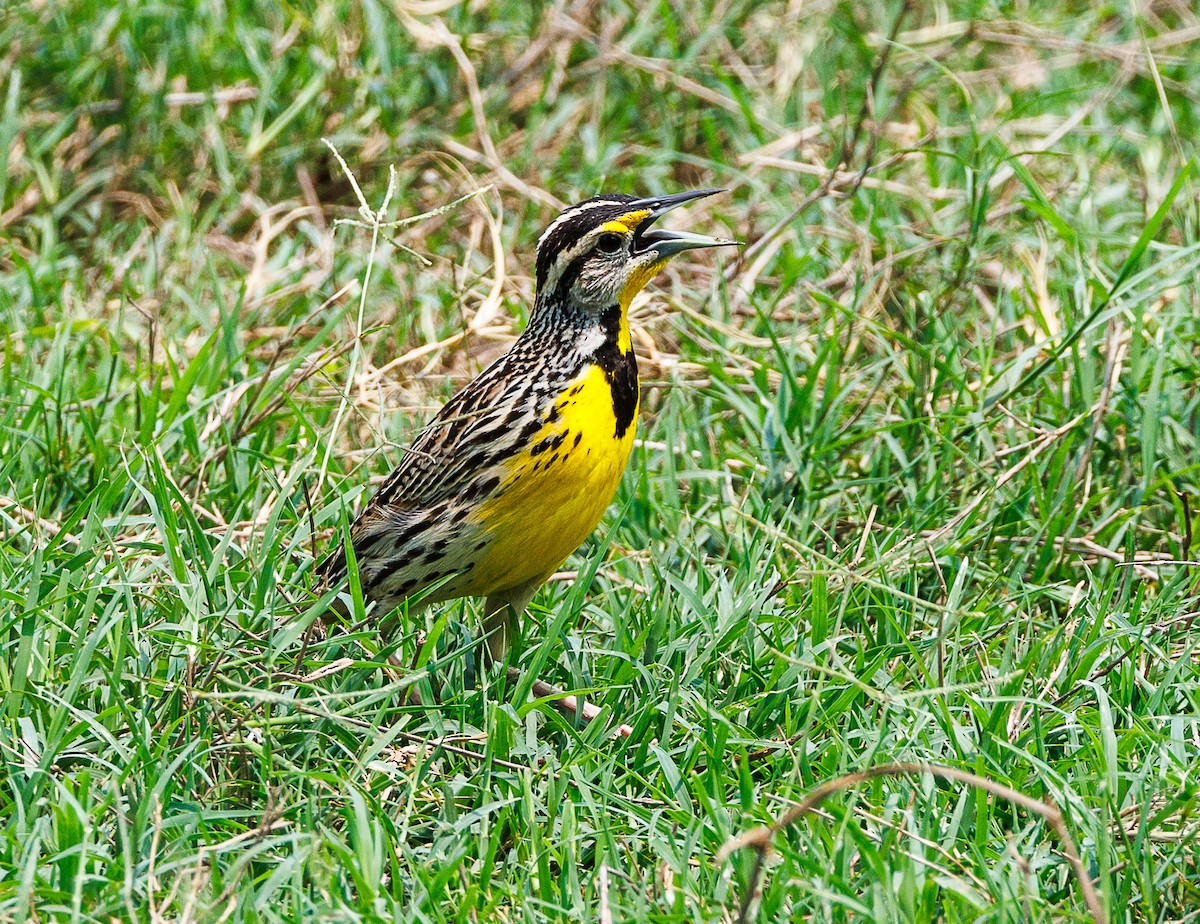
[666, 243]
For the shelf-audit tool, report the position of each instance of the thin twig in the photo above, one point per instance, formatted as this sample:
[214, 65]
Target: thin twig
[761, 839]
[849, 145]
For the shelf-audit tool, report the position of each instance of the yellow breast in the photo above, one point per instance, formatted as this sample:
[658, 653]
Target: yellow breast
[556, 489]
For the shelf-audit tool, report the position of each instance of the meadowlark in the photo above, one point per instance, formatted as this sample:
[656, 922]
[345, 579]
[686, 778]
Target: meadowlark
[518, 468]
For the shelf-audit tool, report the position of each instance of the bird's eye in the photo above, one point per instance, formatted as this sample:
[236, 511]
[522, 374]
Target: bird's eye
[609, 243]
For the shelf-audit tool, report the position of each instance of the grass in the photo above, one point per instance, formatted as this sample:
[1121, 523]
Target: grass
[917, 479]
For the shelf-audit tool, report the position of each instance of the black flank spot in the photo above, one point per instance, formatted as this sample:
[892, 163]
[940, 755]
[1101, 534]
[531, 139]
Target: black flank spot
[436, 551]
[478, 459]
[482, 488]
[549, 442]
[512, 449]
[486, 438]
[367, 543]
[578, 437]
[406, 535]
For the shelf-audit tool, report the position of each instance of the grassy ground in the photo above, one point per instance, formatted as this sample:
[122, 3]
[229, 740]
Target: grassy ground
[917, 482]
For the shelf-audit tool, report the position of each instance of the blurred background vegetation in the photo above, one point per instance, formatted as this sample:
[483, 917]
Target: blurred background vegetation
[916, 481]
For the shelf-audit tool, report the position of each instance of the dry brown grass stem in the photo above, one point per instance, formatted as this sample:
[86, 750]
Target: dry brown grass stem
[761, 839]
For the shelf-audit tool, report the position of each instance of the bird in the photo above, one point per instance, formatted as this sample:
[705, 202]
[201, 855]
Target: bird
[518, 468]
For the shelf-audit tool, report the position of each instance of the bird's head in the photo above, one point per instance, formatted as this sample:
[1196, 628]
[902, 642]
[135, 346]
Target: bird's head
[601, 252]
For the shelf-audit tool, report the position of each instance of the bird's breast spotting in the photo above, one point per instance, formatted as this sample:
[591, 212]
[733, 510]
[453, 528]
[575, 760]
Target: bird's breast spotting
[558, 487]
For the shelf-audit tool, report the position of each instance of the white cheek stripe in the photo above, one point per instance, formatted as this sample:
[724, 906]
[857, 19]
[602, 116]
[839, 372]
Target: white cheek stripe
[564, 260]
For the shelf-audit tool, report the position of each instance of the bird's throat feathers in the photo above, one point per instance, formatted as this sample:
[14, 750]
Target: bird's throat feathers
[602, 340]
[636, 282]
[621, 335]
